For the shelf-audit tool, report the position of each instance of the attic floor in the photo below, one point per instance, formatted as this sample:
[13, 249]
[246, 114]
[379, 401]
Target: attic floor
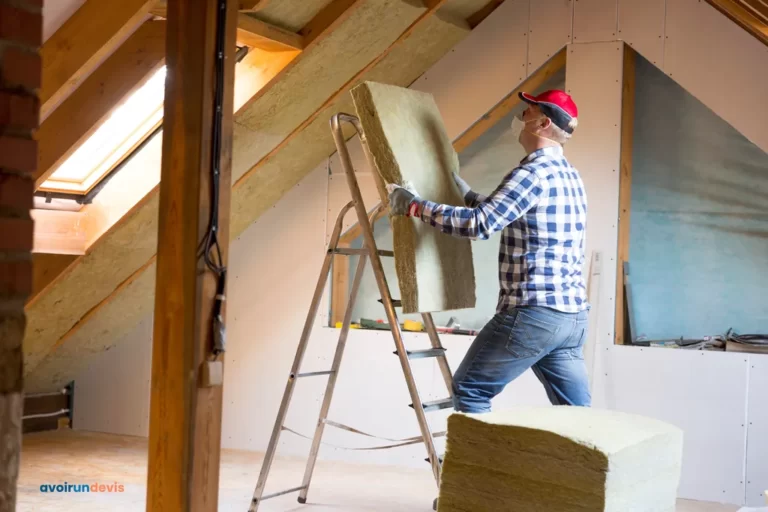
[78, 457]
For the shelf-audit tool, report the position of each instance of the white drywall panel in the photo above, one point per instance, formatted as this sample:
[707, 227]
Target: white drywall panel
[757, 431]
[550, 28]
[593, 77]
[112, 395]
[594, 20]
[720, 64]
[481, 69]
[641, 25]
[705, 394]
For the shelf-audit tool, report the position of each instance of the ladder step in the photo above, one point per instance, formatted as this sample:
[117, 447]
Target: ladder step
[439, 457]
[436, 405]
[395, 302]
[311, 374]
[346, 251]
[281, 493]
[421, 354]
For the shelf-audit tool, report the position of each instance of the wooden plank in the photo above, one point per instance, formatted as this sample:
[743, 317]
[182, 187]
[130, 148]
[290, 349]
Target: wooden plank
[625, 186]
[78, 117]
[257, 34]
[745, 15]
[339, 287]
[82, 42]
[185, 415]
[58, 232]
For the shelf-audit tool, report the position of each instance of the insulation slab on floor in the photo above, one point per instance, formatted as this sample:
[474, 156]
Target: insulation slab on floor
[407, 138]
[560, 459]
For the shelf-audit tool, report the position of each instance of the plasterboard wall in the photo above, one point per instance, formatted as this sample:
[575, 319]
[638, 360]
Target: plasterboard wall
[276, 262]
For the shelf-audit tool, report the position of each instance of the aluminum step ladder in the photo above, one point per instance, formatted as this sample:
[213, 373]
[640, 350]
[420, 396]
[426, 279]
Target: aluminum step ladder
[369, 251]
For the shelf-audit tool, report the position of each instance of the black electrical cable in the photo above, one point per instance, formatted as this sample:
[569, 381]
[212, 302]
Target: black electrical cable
[211, 238]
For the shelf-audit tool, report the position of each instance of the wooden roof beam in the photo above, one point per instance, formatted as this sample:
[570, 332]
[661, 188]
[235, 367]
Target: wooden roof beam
[78, 117]
[751, 15]
[259, 34]
[82, 42]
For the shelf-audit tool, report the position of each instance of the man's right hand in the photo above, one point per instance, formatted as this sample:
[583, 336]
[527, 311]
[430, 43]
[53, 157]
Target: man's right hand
[464, 187]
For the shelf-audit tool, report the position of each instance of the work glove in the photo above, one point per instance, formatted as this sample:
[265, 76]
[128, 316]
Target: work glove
[402, 200]
[464, 187]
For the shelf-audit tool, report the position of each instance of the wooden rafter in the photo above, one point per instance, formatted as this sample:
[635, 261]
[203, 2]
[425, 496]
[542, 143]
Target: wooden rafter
[751, 15]
[84, 40]
[625, 186]
[82, 112]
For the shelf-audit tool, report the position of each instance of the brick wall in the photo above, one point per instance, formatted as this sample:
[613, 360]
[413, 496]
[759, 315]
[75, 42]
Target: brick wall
[20, 70]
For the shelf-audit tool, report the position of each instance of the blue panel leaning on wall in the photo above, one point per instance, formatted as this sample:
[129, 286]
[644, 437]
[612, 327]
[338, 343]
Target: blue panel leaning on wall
[699, 217]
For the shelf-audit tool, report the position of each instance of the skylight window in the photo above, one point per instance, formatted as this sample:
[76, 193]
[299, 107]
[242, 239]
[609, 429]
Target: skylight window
[126, 128]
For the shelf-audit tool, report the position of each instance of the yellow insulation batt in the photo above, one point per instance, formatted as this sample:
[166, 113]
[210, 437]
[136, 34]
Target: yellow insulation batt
[560, 459]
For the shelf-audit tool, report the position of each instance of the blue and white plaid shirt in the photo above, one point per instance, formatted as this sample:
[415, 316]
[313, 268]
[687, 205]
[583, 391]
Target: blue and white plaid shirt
[542, 207]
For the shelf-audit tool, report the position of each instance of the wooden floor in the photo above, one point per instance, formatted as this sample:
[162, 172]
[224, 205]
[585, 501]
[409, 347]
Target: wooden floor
[92, 458]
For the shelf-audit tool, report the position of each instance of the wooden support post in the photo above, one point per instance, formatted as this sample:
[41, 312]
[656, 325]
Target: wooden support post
[185, 412]
[625, 188]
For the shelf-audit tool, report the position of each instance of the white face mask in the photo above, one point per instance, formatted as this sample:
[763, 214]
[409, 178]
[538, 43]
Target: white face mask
[517, 128]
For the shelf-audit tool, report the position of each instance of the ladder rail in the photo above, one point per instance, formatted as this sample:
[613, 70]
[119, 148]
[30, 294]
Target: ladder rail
[299, 357]
[331, 384]
[381, 281]
[442, 362]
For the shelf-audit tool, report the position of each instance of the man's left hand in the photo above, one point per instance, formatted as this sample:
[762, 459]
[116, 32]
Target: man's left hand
[402, 200]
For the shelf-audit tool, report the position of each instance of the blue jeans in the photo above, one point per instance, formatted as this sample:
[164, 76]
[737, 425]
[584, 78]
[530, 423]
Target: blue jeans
[549, 341]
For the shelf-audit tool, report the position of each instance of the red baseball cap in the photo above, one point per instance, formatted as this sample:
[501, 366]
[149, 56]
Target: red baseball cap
[556, 105]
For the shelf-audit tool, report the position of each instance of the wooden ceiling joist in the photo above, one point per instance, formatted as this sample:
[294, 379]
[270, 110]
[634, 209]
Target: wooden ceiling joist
[82, 42]
[86, 108]
[257, 34]
[408, 53]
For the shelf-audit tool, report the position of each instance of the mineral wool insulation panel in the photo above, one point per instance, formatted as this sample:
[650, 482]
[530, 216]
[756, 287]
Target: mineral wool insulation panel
[409, 144]
[569, 459]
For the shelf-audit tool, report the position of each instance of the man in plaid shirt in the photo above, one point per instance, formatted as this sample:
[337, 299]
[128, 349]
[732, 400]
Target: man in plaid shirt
[541, 209]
